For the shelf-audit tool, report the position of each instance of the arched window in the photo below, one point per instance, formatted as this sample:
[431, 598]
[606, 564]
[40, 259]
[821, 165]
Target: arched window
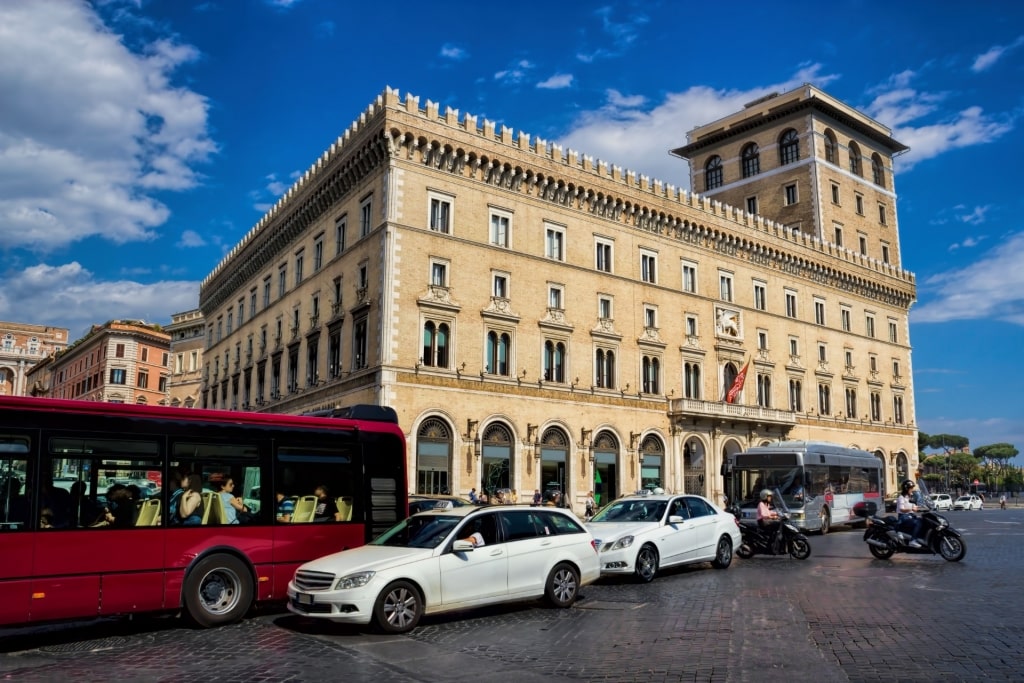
[554, 361]
[729, 373]
[605, 368]
[496, 458]
[855, 165]
[435, 344]
[824, 399]
[751, 160]
[651, 375]
[830, 147]
[713, 173]
[433, 457]
[796, 401]
[652, 458]
[877, 170]
[691, 380]
[497, 353]
[789, 147]
[764, 391]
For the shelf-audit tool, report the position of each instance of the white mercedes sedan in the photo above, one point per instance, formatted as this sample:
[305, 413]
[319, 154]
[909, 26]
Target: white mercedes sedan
[641, 534]
[449, 559]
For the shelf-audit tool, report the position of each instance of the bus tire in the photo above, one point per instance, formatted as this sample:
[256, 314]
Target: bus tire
[218, 591]
[826, 521]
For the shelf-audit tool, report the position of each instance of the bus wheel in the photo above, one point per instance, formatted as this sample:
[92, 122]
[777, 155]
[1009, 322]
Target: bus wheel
[826, 521]
[218, 591]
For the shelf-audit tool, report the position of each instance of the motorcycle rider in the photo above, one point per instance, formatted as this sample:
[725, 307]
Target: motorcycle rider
[906, 508]
[768, 518]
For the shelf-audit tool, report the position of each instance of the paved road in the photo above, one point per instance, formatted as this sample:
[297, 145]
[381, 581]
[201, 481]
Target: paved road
[839, 616]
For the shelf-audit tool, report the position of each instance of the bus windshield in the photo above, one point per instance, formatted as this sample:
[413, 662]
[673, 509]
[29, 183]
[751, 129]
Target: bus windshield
[787, 480]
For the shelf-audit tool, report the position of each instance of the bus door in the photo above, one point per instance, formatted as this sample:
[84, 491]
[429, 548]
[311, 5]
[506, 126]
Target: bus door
[15, 531]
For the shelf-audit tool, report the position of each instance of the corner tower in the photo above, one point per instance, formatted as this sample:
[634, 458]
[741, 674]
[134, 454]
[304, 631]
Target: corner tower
[808, 161]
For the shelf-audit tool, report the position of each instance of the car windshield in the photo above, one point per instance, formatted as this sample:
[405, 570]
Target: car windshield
[632, 510]
[419, 531]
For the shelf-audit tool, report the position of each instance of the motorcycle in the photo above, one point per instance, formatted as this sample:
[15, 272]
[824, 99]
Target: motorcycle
[884, 537]
[758, 541]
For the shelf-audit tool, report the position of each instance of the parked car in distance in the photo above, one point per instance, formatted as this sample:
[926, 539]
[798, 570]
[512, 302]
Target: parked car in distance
[420, 502]
[941, 501]
[641, 534]
[970, 502]
[449, 559]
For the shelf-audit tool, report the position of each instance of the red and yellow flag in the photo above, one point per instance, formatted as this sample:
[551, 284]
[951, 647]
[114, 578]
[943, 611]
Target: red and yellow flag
[737, 384]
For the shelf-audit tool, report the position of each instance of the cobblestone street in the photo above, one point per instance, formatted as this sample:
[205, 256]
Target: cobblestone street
[839, 616]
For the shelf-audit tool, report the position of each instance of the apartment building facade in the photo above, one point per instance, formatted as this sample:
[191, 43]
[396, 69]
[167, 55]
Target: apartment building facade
[188, 337]
[117, 362]
[540, 319]
[22, 347]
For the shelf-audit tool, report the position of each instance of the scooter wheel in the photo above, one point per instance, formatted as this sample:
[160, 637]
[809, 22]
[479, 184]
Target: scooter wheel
[881, 553]
[799, 549]
[745, 551]
[952, 548]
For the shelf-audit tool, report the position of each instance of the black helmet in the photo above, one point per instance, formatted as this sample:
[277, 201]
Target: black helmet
[907, 485]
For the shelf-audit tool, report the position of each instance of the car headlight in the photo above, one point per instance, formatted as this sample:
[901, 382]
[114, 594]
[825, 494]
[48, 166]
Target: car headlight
[357, 580]
[623, 542]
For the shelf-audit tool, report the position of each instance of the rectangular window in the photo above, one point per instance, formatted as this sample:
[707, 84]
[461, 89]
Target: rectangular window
[725, 286]
[790, 195]
[794, 347]
[282, 281]
[839, 236]
[873, 363]
[885, 253]
[689, 277]
[554, 242]
[440, 214]
[760, 295]
[252, 302]
[603, 256]
[318, 252]
[691, 326]
[869, 325]
[862, 242]
[604, 307]
[896, 370]
[819, 312]
[231, 318]
[859, 200]
[340, 226]
[299, 259]
[499, 285]
[266, 292]
[881, 214]
[790, 304]
[762, 340]
[119, 351]
[893, 336]
[555, 297]
[650, 317]
[835, 193]
[118, 375]
[822, 353]
[365, 212]
[751, 205]
[501, 226]
[145, 354]
[439, 274]
[844, 316]
[142, 381]
[648, 266]
[848, 358]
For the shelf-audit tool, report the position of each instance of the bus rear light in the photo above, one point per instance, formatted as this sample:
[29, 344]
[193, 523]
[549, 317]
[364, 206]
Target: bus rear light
[38, 596]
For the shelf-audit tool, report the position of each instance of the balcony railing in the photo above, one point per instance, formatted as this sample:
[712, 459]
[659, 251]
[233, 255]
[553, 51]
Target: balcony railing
[692, 407]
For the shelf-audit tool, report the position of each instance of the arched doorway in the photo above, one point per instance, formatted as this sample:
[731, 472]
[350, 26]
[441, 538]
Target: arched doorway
[606, 469]
[885, 472]
[693, 466]
[496, 465]
[652, 459]
[902, 468]
[554, 463]
[433, 457]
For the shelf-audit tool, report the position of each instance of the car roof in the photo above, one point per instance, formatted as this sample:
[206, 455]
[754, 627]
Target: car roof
[431, 496]
[652, 497]
[466, 510]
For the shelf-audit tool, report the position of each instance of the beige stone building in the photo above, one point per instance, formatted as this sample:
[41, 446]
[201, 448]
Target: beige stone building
[541, 320]
[22, 347]
[121, 361]
[188, 337]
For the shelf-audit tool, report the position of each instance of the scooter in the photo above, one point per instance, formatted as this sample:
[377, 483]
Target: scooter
[884, 537]
[758, 541]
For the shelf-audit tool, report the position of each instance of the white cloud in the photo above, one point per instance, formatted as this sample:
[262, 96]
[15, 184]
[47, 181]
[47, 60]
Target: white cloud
[89, 130]
[987, 59]
[190, 239]
[627, 132]
[69, 296]
[516, 73]
[974, 217]
[556, 82]
[454, 52]
[991, 288]
[967, 243]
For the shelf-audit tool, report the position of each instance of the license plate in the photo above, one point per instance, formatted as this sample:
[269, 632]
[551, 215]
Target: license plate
[305, 598]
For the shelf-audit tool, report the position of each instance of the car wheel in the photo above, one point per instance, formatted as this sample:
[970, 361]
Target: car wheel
[646, 564]
[723, 554]
[218, 591]
[563, 585]
[826, 521]
[398, 608]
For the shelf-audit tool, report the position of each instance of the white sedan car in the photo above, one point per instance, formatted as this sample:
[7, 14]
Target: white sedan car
[941, 501]
[449, 559]
[643, 533]
[971, 502]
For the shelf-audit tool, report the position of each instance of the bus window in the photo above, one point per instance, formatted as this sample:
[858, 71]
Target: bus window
[216, 464]
[14, 502]
[326, 473]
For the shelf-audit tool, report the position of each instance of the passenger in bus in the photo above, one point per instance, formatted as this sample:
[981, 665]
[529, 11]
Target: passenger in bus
[235, 511]
[326, 507]
[120, 511]
[15, 504]
[190, 509]
[177, 491]
[82, 509]
[46, 518]
[285, 507]
[58, 500]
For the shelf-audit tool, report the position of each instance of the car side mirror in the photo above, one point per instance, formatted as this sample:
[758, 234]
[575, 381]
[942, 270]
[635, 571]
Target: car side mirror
[675, 519]
[463, 546]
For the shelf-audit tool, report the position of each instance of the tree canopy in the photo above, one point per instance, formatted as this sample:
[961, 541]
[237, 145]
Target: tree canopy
[996, 452]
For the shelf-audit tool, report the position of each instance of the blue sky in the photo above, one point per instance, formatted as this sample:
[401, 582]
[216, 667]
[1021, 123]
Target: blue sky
[140, 140]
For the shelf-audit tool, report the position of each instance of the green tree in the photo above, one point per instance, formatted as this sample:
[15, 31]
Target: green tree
[997, 452]
[947, 442]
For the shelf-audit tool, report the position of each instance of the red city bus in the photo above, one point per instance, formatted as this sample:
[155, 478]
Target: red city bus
[89, 492]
